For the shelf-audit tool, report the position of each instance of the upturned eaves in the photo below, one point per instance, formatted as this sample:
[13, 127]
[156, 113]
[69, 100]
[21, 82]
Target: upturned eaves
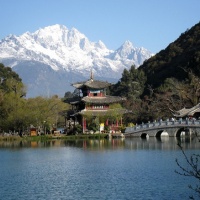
[103, 100]
[186, 112]
[93, 84]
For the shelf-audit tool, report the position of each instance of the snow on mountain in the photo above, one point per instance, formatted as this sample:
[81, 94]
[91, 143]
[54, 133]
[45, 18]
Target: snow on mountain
[128, 53]
[67, 56]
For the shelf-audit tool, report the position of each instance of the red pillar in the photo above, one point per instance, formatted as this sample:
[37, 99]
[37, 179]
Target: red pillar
[84, 124]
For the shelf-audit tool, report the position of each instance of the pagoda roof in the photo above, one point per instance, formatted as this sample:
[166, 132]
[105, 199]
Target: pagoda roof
[103, 100]
[73, 100]
[95, 84]
[101, 112]
[187, 111]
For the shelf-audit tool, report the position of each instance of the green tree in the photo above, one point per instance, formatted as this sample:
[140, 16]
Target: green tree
[11, 102]
[18, 113]
[131, 85]
[115, 111]
[46, 110]
[175, 95]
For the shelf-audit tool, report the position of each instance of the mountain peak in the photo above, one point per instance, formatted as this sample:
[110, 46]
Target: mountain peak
[127, 44]
[55, 27]
[65, 51]
[101, 45]
[74, 30]
[125, 50]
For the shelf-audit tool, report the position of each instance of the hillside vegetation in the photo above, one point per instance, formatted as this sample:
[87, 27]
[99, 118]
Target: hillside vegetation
[168, 81]
[175, 61]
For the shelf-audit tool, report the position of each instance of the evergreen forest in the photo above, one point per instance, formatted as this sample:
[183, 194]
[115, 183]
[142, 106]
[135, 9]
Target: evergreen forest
[168, 81]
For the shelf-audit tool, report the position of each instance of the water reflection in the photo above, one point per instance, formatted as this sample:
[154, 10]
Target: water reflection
[85, 144]
[162, 143]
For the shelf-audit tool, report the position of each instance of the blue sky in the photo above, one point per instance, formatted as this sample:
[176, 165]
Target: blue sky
[152, 24]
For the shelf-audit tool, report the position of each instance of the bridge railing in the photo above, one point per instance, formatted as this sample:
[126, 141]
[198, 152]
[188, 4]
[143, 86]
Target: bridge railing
[162, 124]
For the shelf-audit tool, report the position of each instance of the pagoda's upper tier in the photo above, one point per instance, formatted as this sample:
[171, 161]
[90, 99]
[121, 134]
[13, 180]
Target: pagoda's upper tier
[103, 100]
[95, 84]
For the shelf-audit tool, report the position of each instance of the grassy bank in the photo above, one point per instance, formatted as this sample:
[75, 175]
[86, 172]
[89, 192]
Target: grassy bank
[52, 137]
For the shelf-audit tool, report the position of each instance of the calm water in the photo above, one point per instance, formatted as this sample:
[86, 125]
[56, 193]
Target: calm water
[106, 169]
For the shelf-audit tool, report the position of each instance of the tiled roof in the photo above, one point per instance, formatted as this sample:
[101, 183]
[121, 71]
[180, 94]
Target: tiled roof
[103, 100]
[95, 84]
[73, 100]
[102, 112]
[187, 111]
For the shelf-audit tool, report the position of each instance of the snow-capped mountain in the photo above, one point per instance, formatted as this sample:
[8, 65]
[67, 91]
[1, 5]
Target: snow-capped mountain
[51, 58]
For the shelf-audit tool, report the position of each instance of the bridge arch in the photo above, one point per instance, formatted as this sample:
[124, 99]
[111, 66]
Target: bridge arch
[165, 133]
[144, 135]
[161, 133]
[183, 132]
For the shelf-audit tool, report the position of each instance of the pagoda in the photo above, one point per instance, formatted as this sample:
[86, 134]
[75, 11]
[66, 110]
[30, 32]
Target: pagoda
[94, 104]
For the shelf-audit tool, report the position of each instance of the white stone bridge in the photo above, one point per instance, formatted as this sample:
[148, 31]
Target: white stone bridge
[165, 128]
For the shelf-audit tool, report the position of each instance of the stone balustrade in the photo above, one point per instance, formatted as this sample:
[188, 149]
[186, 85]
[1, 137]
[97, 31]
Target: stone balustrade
[163, 124]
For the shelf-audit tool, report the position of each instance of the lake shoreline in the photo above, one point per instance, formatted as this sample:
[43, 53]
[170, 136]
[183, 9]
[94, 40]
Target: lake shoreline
[53, 137]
